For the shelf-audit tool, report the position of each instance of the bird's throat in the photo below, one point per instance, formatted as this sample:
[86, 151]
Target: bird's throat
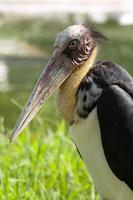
[67, 91]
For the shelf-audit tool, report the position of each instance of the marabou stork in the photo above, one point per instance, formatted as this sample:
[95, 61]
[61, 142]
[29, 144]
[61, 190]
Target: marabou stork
[96, 99]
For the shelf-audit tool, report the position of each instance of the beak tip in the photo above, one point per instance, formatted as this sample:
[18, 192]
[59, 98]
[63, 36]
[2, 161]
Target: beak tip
[12, 138]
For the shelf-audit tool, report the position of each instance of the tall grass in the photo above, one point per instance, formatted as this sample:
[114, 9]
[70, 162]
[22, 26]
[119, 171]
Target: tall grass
[43, 164]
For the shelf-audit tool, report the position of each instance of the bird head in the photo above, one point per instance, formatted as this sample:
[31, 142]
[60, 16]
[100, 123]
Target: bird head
[72, 48]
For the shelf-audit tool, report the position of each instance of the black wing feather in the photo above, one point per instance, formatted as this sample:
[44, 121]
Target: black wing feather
[115, 113]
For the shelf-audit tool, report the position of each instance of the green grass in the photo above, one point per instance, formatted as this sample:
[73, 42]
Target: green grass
[43, 164]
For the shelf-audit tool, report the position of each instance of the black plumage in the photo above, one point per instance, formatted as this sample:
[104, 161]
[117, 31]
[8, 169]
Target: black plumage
[109, 87]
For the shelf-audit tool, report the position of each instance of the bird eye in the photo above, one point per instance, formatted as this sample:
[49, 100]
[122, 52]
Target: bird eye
[73, 44]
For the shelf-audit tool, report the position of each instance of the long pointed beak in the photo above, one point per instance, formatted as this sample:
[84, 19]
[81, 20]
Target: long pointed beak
[54, 74]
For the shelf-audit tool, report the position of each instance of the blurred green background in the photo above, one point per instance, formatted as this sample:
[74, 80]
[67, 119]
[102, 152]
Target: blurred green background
[43, 162]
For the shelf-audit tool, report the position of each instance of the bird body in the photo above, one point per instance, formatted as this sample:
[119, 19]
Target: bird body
[87, 138]
[93, 142]
[97, 102]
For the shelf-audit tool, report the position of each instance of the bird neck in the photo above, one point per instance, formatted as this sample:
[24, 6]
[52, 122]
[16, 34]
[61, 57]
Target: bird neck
[67, 91]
